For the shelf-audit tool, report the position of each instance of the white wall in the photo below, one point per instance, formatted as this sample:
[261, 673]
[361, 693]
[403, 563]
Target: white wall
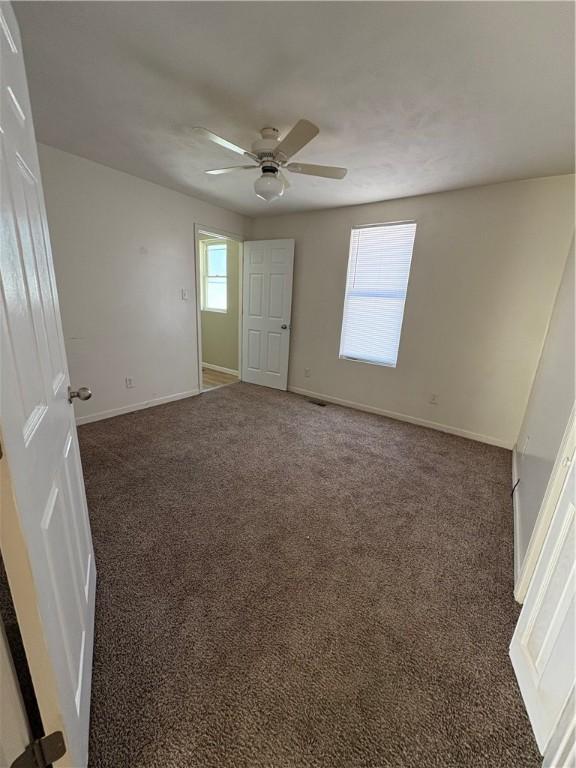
[487, 264]
[549, 406]
[486, 268]
[123, 251]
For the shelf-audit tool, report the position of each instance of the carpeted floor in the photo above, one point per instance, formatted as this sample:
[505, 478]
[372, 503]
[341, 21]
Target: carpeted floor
[283, 585]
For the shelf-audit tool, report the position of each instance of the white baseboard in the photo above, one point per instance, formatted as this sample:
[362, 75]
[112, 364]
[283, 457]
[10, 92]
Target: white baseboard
[135, 407]
[404, 417]
[220, 368]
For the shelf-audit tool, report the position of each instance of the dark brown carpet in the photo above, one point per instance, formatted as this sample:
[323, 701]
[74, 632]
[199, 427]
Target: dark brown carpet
[288, 586]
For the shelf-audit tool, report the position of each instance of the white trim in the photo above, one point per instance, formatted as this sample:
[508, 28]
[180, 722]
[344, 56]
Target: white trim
[551, 496]
[404, 417]
[221, 369]
[516, 513]
[135, 407]
[200, 229]
[240, 304]
[543, 618]
[218, 234]
[198, 297]
[384, 224]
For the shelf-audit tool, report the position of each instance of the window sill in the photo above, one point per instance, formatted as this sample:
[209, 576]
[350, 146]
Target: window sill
[367, 362]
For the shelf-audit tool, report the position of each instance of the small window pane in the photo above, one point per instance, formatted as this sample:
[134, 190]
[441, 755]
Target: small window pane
[216, 260]
[216, 297]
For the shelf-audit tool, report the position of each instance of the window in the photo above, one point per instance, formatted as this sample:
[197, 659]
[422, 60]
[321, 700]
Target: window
[214, 277]
[378, 271]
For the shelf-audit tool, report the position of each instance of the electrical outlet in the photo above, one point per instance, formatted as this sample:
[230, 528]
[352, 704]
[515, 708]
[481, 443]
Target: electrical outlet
[433, 399]
[129, 382]
[307, 372]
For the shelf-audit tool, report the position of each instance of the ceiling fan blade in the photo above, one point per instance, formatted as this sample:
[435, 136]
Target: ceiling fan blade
[284, 180]
[206, 134]
[220, 171]
[303, 132]
[326, 171]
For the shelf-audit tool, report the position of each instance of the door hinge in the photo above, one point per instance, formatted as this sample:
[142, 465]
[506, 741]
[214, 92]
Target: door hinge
[41, 753]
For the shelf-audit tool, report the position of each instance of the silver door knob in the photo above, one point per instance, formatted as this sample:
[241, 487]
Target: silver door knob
[83, 393]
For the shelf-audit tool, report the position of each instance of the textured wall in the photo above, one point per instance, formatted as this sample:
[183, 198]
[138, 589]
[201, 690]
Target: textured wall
[123, 252]
[486, 268]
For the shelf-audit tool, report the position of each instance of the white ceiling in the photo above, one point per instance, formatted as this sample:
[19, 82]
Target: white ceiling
[412, 97]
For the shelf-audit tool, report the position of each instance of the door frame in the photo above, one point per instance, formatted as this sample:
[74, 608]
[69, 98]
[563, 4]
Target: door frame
[550, 733]
[525, 569]
[218, 232]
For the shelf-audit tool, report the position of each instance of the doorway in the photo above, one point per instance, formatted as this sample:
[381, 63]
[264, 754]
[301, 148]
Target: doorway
[219, 297]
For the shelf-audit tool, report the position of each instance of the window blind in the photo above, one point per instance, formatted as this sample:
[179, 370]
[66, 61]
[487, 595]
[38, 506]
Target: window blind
[376, 285]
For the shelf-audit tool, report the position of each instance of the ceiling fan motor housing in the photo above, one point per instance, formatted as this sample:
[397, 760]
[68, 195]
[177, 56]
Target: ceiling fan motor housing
[268, 166]
[266, 146]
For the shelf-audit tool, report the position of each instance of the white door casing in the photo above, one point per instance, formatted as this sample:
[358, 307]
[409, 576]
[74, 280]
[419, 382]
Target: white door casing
[200, 233]
[267, 303]
[525, 568]
[38, 430]
[543, 648]
[14, 731]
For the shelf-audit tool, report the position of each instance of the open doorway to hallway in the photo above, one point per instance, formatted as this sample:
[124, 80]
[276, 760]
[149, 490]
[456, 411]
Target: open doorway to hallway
[219, 257]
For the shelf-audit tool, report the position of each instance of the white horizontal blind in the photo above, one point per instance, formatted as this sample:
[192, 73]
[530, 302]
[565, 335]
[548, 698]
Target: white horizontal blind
[378, 271]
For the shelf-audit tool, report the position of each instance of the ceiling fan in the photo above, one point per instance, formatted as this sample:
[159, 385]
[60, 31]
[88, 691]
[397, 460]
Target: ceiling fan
[271, 155]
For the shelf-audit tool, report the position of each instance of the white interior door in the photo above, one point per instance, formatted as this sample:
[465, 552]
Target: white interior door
[543, 649]
[267, 303]
[38, 430]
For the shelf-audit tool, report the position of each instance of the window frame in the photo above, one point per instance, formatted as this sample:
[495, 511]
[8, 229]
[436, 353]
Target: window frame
[204, 245]
[354, 228]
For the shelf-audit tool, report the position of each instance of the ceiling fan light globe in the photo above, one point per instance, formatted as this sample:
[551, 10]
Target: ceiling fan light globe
[268, 187]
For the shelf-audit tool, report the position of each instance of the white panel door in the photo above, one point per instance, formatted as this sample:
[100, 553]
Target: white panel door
[543, 649]
[38, 430]
[267, 303]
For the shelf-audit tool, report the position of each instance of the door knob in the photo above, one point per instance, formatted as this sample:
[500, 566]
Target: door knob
[83, 393]
[284, 326]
